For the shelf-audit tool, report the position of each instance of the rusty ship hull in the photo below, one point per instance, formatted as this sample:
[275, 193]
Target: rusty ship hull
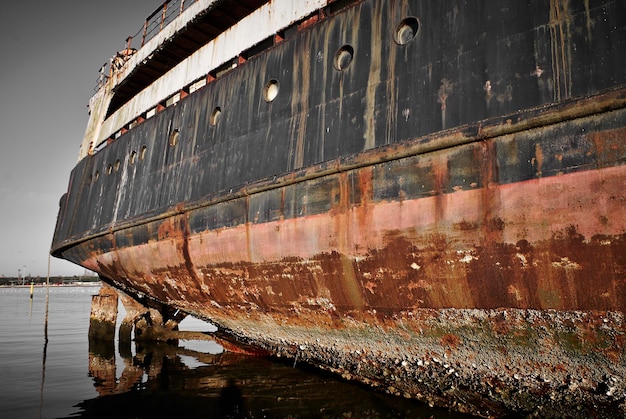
[427, 197]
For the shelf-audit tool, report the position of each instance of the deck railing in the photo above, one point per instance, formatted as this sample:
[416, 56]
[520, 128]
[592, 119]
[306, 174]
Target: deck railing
[153, 25]
[162, 17]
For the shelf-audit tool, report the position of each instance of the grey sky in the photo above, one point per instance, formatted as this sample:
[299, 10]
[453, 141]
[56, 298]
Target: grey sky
[51, 53]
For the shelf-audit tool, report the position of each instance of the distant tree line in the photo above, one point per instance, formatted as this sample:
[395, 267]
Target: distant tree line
[54, 280]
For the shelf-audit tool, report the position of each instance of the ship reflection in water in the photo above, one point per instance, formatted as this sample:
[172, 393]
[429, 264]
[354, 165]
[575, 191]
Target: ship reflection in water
[196, 379]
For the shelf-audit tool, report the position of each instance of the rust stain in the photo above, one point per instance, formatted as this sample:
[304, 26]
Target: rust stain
[560, 23]
[299, 106]
[374, 79]
[445, 90]
[488, 92]
[451, 340]
[589, 22]
[538, 159]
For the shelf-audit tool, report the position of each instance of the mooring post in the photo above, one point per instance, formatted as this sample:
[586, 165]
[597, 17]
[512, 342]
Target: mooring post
[103, 314]
[134, 311]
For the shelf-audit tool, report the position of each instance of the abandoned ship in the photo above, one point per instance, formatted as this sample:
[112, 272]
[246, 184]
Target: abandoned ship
[426, 196]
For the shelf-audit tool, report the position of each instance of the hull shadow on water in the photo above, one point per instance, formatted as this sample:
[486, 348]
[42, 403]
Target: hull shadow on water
[168, 380]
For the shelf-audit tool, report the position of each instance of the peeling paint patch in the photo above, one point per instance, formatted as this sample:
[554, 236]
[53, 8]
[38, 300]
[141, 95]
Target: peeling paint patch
[467, 258]
[566, 264]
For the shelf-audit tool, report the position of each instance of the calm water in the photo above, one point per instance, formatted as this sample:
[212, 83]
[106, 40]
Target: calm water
[68, 377]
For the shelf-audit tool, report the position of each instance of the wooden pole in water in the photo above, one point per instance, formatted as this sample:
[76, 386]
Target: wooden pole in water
[45, 342]
[32, 289]
[103, 314]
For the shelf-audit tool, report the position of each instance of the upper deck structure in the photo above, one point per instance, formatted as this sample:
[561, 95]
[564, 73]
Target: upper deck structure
[183, 45]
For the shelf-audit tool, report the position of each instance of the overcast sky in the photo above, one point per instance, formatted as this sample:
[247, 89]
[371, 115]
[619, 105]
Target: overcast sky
[51, 53]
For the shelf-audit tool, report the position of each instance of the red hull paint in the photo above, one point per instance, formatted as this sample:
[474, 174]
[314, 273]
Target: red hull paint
[542, 245]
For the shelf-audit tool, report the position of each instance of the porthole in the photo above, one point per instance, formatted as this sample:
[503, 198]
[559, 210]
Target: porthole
[174, 137]
[406, 31]
[270, 91]
[215, 116]
[133, 157]
[109, 169]
[116, 167]
[343, 57]
[142, 153]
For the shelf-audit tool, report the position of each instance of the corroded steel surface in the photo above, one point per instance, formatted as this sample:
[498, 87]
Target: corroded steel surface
[451, 237]
[487, 298]
[447, 224]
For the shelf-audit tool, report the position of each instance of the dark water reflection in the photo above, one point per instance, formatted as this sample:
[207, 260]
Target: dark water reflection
[157, 382]
[49, 369]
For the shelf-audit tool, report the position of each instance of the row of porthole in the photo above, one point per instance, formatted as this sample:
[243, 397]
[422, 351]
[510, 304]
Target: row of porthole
[270, 92]
[115, 167]
[405, 32]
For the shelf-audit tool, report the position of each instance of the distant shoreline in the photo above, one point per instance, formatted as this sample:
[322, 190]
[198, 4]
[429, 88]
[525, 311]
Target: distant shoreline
[56, 285]
[57, 280]
[67, 284]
